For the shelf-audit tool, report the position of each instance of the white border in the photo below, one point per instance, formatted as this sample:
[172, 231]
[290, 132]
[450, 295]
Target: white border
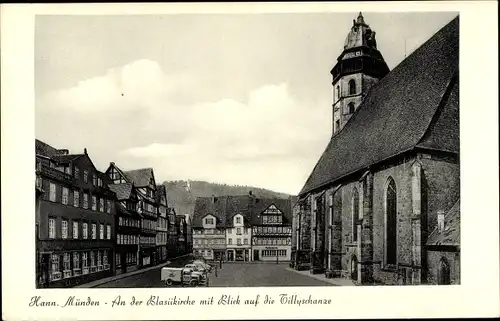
[478, 295]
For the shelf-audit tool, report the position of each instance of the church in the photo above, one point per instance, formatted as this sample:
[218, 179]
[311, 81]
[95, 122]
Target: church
[382, 204]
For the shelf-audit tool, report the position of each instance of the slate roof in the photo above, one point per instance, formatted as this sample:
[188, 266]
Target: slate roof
[205, 205]
[122, 190]
[140, 177]
[64, 159]
[261, 204]
[415, 105]
[45, 149]
[451, 234]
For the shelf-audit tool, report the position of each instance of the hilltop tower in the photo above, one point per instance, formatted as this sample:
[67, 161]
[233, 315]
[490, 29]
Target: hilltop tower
[358, 68]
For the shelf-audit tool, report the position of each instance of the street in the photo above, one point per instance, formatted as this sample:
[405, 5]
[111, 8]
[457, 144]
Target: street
[231, 275]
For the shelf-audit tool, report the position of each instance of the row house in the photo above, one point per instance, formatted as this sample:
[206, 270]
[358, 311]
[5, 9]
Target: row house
[143, 180]
[128, 227]
[172, 238]
[180, 223]
[75, 219]
[382, 204]
[162, 223]
[242, 228]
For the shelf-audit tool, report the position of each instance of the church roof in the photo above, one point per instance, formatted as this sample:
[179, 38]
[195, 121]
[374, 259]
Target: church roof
[450, 236]
[415, 105]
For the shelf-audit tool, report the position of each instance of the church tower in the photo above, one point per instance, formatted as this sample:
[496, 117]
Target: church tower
[358, 68]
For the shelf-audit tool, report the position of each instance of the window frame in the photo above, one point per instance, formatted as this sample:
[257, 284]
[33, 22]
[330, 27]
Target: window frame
[390, 254]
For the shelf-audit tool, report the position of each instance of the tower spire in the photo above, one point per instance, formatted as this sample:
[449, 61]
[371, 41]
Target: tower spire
[360, 18]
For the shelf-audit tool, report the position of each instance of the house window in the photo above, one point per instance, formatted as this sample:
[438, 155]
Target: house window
[52, 192]
[245, 241]
[67, 170]
[52, 228]
[355, 214]
[230, 241]
[85, 200]
[350, 108]
[55, 268]
[108, 232]
[101, 231]
[65, 193]
[94, 231]
[85, 263]
[94, 203]
[94, 180]
[108, 206]
[85, 231]
[245, 231]
[391, 222]
[238, 220]
[238, 231]
[86, 176]
[92, 259]
[105, 260]
[99, 182]
[264, 219]
[77, 173]
[64, 229]
[209, 221]
[76, 198]
[352, 87]
[444, 272]
[76, 262]
[75, 230]
[101, 205]
[66, 265]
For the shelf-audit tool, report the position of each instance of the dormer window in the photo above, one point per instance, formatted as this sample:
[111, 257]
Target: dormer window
[352, 87]
[209, 221]
[238, 220]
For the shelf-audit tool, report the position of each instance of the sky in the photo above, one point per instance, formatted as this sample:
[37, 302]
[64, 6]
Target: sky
[227, 98]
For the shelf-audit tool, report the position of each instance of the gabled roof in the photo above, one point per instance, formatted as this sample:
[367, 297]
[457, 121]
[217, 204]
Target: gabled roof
[123, 191]
[416, 103]
[125, 212]
[450, 236]
[239, 204]
[213, 206]
[262, 204]
[140, 177]
[45, 149]
[64, 159]
[161, 190]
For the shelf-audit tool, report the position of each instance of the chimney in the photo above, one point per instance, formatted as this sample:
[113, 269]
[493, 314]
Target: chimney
[112, 163]
[85, 151]
[250, 193]
[440, 216]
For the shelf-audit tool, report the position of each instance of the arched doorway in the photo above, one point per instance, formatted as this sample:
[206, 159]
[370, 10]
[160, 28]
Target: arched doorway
[444, 272]
[354, 268]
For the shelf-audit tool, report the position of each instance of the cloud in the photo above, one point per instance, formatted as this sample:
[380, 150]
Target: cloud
[268, 140]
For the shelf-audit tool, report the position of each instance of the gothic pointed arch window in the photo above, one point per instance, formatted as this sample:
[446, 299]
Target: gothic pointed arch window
[352, 87]
[355, 214]
[350, 108]
[444, 272]
[391, 222]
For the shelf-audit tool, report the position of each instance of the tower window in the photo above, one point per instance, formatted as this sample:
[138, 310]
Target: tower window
[355, 214]
[352, 87]
[350, 108]
[390, 223]
[338, 92]
[337, 124]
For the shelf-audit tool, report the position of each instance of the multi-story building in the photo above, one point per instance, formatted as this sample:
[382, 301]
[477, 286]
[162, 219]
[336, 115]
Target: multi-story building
[162, 223]
[144, 181]
[209, 227]
[128, 227]
[76, 221]
[238, 228]
[180, 222]
[373, 208]
[172, 238]
[271, 229]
